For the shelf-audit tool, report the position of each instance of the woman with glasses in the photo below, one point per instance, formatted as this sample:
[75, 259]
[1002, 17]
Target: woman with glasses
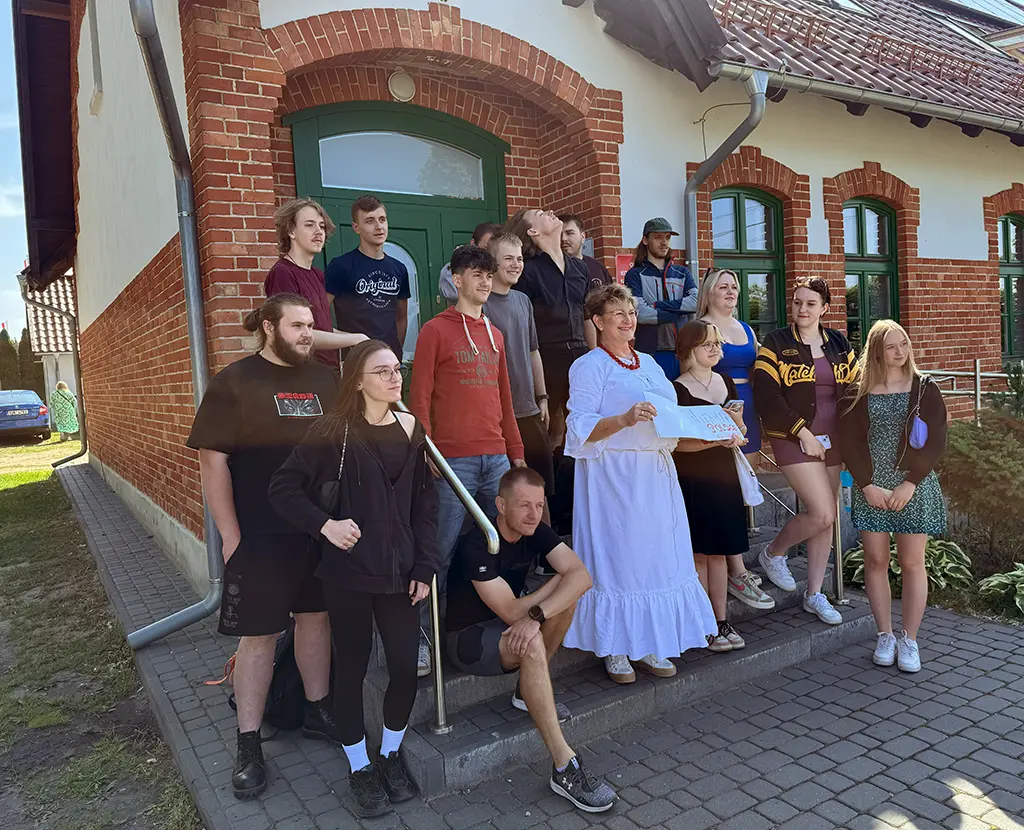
[361, 484]
[629, 520]
[716, 304]
[708, 477]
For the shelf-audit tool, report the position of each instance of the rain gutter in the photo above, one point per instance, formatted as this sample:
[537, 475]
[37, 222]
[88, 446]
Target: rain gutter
[144, 21]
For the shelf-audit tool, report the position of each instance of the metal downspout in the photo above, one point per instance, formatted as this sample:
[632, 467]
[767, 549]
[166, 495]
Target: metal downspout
[756, 84]
[76, 356]
[144, 21]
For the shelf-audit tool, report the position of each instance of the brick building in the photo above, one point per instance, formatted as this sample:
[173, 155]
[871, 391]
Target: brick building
[888, 161]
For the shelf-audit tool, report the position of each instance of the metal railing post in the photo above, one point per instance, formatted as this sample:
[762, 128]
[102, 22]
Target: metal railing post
[441, 725]
[977, 390]
[837, 541]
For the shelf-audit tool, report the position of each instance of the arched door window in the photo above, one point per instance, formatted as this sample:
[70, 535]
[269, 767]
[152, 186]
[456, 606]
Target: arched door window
[872, 285]
[1011, 279]
[746, 226]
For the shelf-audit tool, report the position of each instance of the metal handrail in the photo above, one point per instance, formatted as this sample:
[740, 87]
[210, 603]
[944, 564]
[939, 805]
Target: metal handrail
[441, 725]
[942, 375]
[837, 531]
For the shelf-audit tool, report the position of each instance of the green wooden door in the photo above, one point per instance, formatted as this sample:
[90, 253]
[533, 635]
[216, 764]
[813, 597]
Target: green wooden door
[439, 177]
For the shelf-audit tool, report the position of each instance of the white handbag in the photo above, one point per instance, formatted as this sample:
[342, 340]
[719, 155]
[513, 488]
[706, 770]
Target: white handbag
[752, 494]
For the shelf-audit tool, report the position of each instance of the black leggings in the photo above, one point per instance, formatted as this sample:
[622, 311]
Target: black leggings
[398, 622]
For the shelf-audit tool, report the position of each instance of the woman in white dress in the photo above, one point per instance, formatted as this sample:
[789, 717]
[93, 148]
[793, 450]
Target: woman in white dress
[629, 520]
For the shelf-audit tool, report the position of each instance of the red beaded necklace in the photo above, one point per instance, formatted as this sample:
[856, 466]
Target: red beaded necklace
[633, 365]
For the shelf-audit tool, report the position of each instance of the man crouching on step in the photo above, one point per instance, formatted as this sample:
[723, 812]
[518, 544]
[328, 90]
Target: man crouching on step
[493, 630]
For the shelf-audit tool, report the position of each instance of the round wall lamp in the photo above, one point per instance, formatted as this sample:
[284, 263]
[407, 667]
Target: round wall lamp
[402, 86]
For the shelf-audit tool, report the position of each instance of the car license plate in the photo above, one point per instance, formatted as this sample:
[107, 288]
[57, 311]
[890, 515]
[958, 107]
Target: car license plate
[13, 412]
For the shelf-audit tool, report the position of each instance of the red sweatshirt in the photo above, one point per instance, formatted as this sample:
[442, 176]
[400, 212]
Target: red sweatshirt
[460, 390]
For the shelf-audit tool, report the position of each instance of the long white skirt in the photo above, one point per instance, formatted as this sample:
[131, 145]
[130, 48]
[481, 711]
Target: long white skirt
[630, 530]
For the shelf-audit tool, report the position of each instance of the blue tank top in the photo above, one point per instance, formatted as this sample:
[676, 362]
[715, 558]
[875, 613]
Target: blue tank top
[737, 361]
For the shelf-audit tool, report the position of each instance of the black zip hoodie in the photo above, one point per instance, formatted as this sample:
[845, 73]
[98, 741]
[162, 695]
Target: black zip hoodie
[854, 425]
[397, 523]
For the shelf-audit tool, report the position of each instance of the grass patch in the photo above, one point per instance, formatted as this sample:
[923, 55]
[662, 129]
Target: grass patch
[67, 676]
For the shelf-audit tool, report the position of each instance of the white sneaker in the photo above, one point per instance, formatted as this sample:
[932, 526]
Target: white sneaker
[658, 667]
[885, 651]
[423, 658]
[619, 669]
[777, 570]
[818, 604]
[909, 656]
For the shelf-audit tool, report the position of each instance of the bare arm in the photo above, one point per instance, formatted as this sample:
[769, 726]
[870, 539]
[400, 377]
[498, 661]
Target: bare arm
[558, 594]
[402, 319]
[327, 340]
[537, 365]
[607, 427]
[216, 476]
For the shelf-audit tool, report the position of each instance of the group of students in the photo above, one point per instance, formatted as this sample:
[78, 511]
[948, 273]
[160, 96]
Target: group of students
[332, 512]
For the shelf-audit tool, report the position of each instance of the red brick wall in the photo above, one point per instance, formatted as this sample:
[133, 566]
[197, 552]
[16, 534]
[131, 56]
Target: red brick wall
[138, 386]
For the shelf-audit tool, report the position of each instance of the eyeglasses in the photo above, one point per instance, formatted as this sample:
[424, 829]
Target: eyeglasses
[711, 347]
[621, 315]
[388, 373]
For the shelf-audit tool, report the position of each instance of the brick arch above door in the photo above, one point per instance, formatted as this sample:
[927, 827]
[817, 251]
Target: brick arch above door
[1000, 204]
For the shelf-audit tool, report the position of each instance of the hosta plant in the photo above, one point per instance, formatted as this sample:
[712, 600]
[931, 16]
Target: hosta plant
[1007, 590]
[947, 566]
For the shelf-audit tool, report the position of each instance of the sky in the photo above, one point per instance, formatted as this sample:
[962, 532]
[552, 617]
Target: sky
[13, 243]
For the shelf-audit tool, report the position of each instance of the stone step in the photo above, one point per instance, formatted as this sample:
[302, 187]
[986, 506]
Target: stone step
[491, 736]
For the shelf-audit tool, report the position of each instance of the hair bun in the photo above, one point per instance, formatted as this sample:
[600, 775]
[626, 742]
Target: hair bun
[252, 320]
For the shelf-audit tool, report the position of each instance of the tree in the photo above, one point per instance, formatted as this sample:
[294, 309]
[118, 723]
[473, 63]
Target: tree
[10, 371]
[31, 367]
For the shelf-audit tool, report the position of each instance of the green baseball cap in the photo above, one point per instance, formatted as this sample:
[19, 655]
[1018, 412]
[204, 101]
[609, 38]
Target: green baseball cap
[658, 224]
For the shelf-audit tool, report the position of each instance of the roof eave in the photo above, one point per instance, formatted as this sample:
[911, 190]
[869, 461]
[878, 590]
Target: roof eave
[1013, 127]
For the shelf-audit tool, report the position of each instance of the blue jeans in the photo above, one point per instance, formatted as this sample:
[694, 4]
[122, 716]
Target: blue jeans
[480, 475]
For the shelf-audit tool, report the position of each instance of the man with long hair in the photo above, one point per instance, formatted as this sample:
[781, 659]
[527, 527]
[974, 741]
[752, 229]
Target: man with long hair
[303, 227]
[254, 413]
[666, 295]
[369, 289]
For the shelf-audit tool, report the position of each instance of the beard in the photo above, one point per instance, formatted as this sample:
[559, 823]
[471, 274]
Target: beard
[292, 355]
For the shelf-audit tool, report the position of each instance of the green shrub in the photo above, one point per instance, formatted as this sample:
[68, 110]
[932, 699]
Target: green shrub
[982, 474]
[1005, 590]
[1012, 400]
[947, 566]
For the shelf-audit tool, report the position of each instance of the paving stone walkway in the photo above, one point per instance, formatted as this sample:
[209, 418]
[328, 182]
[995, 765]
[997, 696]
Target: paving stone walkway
[835, 743]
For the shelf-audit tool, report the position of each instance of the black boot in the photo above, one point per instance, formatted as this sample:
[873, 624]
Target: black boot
[395, 778]
[318, 722]
[367, 793]
[250, 775]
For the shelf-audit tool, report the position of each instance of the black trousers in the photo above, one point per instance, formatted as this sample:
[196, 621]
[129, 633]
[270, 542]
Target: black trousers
[398, 621]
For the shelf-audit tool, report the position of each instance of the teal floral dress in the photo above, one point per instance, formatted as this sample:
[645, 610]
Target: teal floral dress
[926, 511]
[65, 411]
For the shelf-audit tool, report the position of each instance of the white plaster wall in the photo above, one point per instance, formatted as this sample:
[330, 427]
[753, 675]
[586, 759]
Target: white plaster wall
[126, 208]
[812, 135]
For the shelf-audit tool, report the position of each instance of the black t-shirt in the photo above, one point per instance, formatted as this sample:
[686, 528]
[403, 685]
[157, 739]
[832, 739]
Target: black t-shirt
[366, 293]
[557, 299]
[390, 443]
[257, 412]
[472, 563]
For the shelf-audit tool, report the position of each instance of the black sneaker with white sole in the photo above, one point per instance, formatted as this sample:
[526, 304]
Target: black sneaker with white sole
[560, 708]
[586, 791]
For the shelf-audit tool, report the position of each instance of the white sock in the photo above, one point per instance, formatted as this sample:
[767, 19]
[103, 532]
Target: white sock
[391, 741]
[357, 757]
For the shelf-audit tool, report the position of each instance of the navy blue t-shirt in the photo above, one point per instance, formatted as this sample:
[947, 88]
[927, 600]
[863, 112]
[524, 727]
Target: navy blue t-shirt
[366, 294]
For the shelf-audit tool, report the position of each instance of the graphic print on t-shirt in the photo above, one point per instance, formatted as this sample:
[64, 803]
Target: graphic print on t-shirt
[298, 405]
[378, 288]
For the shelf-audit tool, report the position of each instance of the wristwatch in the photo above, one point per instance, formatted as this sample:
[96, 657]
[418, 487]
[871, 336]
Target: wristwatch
[537, 614]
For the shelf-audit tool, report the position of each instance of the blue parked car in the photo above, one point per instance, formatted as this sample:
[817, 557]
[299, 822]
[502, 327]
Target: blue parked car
[23, 413]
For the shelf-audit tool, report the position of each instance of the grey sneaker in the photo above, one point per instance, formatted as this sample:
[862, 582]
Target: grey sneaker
[776, 569]
[818, 604]
[586, 791]
[885, 651]
[423, 658]
[560, 708]
[908, 654]
[746, 590]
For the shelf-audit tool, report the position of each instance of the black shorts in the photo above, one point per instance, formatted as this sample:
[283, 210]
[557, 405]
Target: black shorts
[557, 360]
[266, 579]
[475, 650]
[537, 449]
